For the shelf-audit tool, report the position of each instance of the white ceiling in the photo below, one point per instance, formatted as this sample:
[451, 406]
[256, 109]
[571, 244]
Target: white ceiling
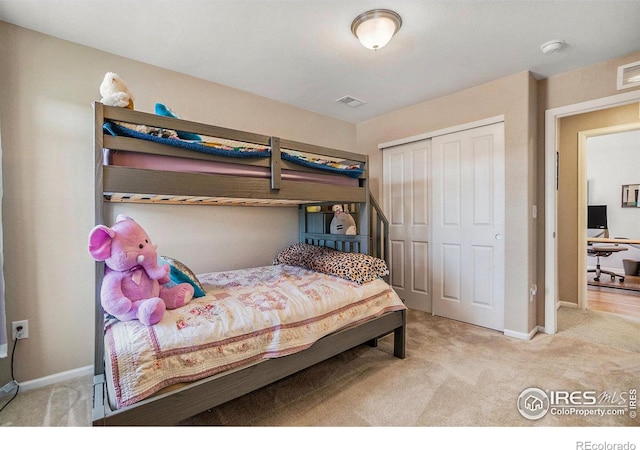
[303, 53]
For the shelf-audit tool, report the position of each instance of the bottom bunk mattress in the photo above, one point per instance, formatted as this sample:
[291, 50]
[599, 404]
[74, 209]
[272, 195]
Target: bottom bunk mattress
[244, 317]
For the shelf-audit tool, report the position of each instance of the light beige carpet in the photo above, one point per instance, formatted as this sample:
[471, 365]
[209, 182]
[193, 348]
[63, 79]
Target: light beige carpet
[65, 404]
[602, 328]
[455, 374]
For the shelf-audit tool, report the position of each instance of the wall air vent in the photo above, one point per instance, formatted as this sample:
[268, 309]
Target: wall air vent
[351, 101]
[629, 75]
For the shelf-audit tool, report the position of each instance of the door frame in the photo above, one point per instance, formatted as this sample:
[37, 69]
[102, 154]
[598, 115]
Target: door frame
[431, 134]
[551, 185]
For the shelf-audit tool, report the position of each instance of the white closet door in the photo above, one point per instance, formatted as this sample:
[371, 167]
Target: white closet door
[468, 210]
[406, 205]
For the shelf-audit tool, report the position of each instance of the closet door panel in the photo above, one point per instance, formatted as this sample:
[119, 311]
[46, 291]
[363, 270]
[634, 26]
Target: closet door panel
[468, 226]
[406, 204]
[451, 192]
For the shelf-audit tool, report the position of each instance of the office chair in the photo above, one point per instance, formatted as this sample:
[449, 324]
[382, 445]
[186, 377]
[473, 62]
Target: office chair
[604, 251]
[597, 219]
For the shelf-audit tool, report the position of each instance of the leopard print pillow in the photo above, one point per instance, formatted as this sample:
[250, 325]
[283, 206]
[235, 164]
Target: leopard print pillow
[298, 255]
[356, 267]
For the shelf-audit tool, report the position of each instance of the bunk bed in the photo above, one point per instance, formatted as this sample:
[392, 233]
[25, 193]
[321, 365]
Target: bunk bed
[141, 157]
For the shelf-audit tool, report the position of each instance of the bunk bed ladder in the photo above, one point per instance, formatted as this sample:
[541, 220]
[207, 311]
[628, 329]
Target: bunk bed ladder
[379, 234]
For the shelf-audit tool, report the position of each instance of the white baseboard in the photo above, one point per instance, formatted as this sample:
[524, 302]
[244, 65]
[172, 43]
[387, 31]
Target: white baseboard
[541, 329]
[566, 305]
[519, 335]
[55, 378]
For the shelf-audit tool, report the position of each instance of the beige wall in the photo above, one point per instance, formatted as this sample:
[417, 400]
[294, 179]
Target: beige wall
[583, 84]
[514, 98]
[47, 87]
[569, 249]
[574, 87]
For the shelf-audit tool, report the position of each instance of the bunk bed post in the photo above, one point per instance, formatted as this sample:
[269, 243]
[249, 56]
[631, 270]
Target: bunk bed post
[364, 213]
[363, 218]
[276, 162]
[399, 337]
[98, 354]
[98, 219]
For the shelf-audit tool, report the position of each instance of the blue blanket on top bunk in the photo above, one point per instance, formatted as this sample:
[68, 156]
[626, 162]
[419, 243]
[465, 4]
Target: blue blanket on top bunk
[350, 170]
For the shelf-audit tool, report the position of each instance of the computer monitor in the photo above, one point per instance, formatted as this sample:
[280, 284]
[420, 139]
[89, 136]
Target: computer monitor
[597, 217]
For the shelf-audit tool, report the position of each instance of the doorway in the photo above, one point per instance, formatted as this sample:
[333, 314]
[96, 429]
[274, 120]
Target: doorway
[610, 157]
[607, 160]
[552, 117]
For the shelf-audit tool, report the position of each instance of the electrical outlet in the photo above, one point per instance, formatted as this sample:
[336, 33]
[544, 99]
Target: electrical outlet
[23, 332]
[7, 388]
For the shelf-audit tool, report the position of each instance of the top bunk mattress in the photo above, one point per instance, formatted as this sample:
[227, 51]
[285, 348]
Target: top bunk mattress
[171, 163]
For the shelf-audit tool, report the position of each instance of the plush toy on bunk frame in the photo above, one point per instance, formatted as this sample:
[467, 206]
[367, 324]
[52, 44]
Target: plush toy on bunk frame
[342, 222]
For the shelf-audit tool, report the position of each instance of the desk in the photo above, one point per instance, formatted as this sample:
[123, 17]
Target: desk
[593, 240]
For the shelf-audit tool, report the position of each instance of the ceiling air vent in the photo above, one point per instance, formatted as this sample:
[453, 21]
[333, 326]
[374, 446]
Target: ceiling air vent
[351, 101]
[629, 75]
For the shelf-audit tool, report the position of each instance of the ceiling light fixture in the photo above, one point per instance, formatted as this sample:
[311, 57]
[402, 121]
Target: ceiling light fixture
[375, 28]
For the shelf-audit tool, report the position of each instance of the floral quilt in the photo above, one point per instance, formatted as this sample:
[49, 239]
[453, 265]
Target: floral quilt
[246, 315]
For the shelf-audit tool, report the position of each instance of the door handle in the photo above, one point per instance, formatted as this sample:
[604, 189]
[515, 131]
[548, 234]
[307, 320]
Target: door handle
[498, 237]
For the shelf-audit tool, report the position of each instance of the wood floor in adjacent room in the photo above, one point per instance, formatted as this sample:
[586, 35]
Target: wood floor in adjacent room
[613, 296]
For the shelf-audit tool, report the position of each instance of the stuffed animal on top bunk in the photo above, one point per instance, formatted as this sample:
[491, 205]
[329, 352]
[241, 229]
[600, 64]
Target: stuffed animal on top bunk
[342, 222]
[133, 283]
[114, 92]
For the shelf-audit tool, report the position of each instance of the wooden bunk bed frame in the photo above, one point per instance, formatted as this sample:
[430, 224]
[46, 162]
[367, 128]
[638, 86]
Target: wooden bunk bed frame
[126, 184]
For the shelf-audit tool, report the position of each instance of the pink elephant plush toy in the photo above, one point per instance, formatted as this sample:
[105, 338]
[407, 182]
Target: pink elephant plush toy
[132, 287]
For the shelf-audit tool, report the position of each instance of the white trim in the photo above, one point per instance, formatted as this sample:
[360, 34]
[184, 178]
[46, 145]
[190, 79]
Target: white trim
[581, 234]
[55, 378]
[551, 118]
[453, 129]
[519, 335]
[566, 305]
